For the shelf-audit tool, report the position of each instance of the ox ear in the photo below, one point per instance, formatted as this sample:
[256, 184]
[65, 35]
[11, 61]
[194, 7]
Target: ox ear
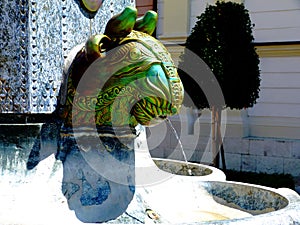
[96, 46]
[120, 25]
[147, 23]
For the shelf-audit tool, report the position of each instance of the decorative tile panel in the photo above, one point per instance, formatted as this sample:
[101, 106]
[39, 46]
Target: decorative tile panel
[35, 39]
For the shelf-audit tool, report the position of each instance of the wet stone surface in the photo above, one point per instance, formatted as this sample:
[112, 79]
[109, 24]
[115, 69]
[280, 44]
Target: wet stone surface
[182, 168]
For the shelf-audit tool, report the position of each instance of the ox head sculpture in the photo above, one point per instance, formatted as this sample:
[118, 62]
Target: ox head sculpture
[122, 77]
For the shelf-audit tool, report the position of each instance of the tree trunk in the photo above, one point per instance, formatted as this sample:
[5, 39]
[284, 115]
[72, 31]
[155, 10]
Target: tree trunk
[214, 138]
[219, 141]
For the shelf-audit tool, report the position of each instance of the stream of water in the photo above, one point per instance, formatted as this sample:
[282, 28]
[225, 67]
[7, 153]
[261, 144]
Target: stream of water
[180, 145]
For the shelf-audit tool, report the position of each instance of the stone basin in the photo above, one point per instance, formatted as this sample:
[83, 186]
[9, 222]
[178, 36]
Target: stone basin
[190, 200]
[205, 198]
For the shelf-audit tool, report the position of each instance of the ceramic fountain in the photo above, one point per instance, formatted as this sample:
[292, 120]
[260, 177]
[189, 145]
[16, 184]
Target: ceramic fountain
[90, 163]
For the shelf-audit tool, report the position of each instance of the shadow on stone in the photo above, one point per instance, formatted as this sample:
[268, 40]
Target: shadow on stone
[44, 144]
[98, 184]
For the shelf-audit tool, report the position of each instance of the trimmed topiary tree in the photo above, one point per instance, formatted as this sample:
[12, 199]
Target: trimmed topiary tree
[222, 38]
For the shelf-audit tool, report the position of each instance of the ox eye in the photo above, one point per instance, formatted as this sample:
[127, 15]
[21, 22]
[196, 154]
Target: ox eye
[134, 53]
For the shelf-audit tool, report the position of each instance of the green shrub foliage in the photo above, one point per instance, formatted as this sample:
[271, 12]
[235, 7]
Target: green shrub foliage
[222, 38]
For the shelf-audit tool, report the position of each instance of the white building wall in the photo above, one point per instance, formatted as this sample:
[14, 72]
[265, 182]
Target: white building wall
[275, 20]
[274, 122]
[277, 112]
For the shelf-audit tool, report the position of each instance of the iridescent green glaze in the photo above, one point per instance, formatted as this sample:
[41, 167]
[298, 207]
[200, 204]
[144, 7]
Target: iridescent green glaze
[144, 87]
[120, 25]
[147, 23]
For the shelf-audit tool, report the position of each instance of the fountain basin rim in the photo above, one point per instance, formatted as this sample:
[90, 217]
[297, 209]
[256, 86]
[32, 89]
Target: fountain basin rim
[286, 199]
[214, 173]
